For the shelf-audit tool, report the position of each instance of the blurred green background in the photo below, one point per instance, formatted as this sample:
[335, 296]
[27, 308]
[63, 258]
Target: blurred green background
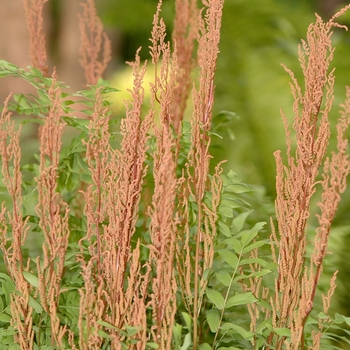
[257, 36]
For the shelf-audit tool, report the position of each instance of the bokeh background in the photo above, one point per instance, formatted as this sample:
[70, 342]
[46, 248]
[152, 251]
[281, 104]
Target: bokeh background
[251, 85]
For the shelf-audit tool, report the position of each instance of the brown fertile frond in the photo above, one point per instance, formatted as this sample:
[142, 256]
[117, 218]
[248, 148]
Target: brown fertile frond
[157, 36]
[166, 86]
[203, 96]
[161, 50]
[163, 238]
[21, 320]
[53, 214]
[183, 248]
[50, 205]
[184, 35]
[10, 152]
[326, 299]
[172, 79]
[127, 175]
[197, 168]
[91, 309]
[133, 308]
[112, 204]
[34, 15]
[98, 158]
[208, 49]
[254, 285]
[93, 304]
[124, 191]
[95, 47]
[126, 184]
[210, 219]
[296, 182]
[335, 173]
[11, 245]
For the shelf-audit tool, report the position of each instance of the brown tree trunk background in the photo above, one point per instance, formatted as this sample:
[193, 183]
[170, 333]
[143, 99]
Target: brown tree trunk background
[14, 43]
[329, 7]
[68, 67]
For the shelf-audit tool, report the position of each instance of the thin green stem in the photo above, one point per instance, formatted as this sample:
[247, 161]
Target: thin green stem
[196, 279]
[226, 298]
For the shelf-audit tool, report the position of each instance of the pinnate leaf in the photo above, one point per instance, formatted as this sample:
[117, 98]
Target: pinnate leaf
[238, 222]
[249, 235]
[223, 277]
[215, 297]
[241, 299]
[237, 329]
[213, 319]
[229, 257]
